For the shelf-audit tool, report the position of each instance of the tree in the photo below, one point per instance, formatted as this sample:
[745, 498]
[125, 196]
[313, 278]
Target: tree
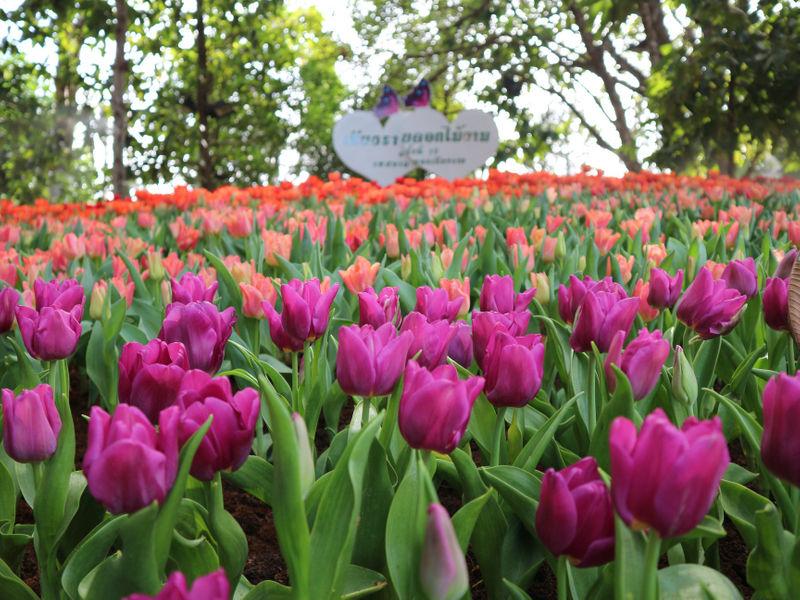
[118, 108]
[255, 78]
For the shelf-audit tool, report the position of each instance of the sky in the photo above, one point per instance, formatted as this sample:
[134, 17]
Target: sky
[337, 15]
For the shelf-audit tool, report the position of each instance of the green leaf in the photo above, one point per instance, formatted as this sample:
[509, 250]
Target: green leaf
[741, 504]
[465, 518]
[405, 530]
[12, 586]
[519, 488]
[532, 451]
[88, 554]
[770, 561]
[255, 477]
[628, 562]
[231, 291]
[695, 582]
[358, 581]
[270, 590]
[620, 405]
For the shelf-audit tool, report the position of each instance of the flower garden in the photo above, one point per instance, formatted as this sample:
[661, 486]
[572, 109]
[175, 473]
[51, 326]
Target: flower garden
[529, 386]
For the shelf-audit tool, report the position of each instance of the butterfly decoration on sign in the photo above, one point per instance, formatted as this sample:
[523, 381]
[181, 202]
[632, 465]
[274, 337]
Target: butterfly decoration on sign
[389, 103]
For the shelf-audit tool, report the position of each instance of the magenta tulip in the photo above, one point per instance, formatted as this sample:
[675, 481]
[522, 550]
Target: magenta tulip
[213, 586]
[50, 333]
[128, 464]
[435, 407]
[513, 367]
[228, 441]
[775, 303]
[430, 339]
[460, 346]
[484, 324]
[202, 329]
[378, 308]
[150, 375]
[64, 295]
[436, 305]
[31, 424]
[709, 306]
[664, 290]
[787, 263]
[370, 361]
[641, 361]
[570, 298]
[741, 276]
[305, 314]
[575, 517]
[192, 288]
[443, 568]
[9, 299]
[600, 315]
[666, 478]
[497, 294]
[780, 442]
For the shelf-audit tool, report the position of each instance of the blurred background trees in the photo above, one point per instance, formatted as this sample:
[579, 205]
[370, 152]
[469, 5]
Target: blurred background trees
[98, 95]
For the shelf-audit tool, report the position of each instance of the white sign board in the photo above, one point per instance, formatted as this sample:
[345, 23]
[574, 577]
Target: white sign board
[417, 138]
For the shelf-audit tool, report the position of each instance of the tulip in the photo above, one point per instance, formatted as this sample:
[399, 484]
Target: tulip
[684, 381]
[150, 375]
[642, 290]
[787, 262]
[497, 294]
[50, 333]
[360, 275]
[570, 298]
[202, 329]
[213, 586]
[306, 311]
[780, 444]
[741, 276]
[127, 463]
[64, 295]
[435, 304]
[514, 368]
[775, 303]
[432, 339]
[460, 346]
[97, 299]
[9, 299]
[575, 517]
[641, 362]
[31, 424]
[370, 361]
[443, 568]
[255, 293]
[666, 478]
[664, 290]
[484, 324]
[378, 308]
[457, 289]
[600, 316]
[228, 441]
[710, 307]
[541, 284]
[435, 406]
[192, 288]
[304, 455]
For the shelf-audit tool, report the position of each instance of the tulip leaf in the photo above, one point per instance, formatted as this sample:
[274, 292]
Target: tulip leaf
[231, 291]
[515, 592]
[482, 423]
[358, 582]
[743, 370]
[377, 497]
[620, 405]
[741, 504]
[12, 586]
[533, 450]
[518, 488]
[751, 429]
[333, 534]
[769, 563]
[287, 506]
[408, 294]
[558, 347]
[8, 495]
[289, 268]
[405, 530]
[705, 363]
[465, 518]
[255, 477]
[270, 590]
[138, 283]
[88, 554]
[231, 540]
[695, 582]
[629, 568]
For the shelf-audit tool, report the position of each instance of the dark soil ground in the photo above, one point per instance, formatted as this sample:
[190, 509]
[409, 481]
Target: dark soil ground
[265, 561]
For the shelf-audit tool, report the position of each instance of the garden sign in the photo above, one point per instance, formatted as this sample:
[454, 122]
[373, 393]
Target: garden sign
[422, 137]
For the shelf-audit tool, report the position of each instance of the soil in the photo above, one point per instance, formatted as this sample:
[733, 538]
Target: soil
[266, 563]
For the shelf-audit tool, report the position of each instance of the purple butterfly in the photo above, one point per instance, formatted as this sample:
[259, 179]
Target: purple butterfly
[388, 104]
[420, 95]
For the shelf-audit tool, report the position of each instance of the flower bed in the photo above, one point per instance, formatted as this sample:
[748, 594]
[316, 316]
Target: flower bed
[520, 387]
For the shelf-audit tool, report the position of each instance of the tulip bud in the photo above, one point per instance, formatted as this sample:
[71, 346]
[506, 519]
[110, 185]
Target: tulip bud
[370, 361]
[541, 283]
[405, 267]
[443, 569]
[741, 276]
[97, 300]
[437, 270]
[775, 303]
[684, 382]
[9, 299]
[561, 249]
[581, 263]
[31, 424]
[785, 266]
[305, 457]
[155, 266]
[514, 368]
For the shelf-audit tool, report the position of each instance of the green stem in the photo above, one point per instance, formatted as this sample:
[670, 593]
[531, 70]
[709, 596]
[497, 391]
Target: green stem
[796, 496]
[561, 578]
[499, 430]
[790, 359]
[295, 382]
[651, 555]
[591, 403]
[425, 475]
[390, 420]
[365, 404]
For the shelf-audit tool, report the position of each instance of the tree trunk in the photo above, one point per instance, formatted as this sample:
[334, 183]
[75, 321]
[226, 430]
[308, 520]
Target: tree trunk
[206, 170]
[118, 108]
